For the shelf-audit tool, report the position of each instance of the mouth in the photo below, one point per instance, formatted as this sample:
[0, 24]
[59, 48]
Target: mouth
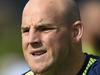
[39, 52]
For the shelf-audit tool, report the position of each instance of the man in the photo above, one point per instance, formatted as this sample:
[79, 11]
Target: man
[90, 14]
[51, 39]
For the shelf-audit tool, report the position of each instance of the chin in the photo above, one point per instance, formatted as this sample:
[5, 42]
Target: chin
[41, 68]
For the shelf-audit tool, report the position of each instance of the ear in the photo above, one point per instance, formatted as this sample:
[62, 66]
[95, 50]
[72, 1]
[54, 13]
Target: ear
[77, 31]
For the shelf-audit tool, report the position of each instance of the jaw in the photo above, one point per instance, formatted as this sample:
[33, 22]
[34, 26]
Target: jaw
[39, 64]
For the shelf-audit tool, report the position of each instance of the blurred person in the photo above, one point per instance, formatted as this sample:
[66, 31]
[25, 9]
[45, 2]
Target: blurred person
[90, 15]
[51, 39]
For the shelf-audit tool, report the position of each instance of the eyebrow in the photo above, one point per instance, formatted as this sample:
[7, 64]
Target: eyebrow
[24, 27]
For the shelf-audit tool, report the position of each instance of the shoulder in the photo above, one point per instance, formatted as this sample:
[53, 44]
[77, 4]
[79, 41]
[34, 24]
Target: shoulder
[95, 68]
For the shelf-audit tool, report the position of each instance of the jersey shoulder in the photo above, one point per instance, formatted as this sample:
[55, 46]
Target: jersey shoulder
[95, 68]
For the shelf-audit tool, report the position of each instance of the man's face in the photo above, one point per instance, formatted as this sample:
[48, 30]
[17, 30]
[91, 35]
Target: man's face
[45, 37]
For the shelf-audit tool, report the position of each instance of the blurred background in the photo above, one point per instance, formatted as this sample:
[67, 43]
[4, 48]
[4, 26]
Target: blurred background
[11, 56]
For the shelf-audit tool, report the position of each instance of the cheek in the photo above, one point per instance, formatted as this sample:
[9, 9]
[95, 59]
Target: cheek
[62, 43]
[50, 39]
[24, 42]
[57, 42]
[59, 37]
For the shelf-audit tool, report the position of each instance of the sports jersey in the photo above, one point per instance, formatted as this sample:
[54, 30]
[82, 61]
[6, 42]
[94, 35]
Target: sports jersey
[91, 66]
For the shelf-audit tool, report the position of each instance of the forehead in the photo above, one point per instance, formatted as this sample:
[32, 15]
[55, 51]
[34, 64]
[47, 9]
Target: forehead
[43, 10]
[44, 5]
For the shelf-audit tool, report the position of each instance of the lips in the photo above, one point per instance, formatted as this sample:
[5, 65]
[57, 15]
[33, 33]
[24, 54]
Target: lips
[39, 52]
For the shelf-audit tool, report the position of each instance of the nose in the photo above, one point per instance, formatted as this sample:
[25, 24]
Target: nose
[34, 39]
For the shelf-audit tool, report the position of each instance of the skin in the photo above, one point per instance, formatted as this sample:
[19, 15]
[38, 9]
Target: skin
[44, 27]
[90, 13]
